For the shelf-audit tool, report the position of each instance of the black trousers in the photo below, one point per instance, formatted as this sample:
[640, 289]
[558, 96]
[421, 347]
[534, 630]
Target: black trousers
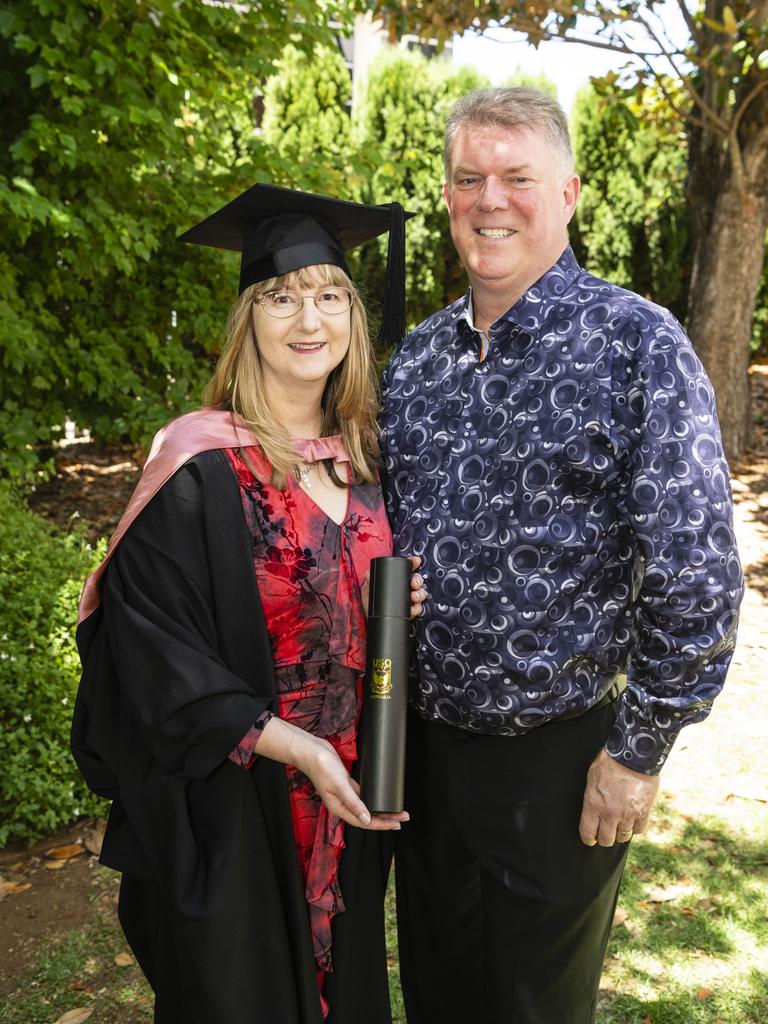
[503, 913]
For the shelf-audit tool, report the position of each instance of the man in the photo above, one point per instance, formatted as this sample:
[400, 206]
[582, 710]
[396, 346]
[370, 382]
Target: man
[553, 456]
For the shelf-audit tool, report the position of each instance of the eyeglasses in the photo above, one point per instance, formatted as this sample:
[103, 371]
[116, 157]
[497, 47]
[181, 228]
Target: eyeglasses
[285, 303]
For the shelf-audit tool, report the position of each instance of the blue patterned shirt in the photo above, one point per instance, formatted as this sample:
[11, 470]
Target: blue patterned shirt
[570, 501]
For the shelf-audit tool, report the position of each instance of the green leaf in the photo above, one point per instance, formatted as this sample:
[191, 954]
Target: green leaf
[37, 76]
[730, 23]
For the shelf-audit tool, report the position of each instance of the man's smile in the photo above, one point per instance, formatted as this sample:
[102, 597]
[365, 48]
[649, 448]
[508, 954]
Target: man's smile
[495, 232]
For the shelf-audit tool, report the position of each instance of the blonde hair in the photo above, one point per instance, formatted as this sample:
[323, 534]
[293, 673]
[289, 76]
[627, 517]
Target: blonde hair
[349, 402]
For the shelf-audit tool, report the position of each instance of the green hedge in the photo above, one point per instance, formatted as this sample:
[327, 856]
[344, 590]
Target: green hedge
[41, 573]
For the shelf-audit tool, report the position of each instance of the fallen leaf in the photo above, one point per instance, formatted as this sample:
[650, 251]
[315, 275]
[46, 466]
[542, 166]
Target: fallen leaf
[124, 960]
[620, 915]
[663, 894]
[54, 865]
[704, 993]
[11, 888]
[75, 1016]
[81, 986]
[65, 852]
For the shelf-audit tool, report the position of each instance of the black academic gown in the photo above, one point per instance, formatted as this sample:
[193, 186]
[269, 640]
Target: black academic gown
[177, 667]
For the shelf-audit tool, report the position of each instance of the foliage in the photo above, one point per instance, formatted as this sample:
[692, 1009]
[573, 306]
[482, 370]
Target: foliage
[41, 573]
[123, 123]
[403, 113]
[307, 116]
[631, 222]
[760, 326]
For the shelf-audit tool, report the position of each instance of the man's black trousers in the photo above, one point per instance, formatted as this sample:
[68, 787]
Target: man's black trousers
[503, 913]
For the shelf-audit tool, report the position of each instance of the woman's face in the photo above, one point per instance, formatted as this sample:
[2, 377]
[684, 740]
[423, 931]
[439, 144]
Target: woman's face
[306, 346]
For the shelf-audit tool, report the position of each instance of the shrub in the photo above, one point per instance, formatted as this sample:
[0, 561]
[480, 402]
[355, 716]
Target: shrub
[41, 573]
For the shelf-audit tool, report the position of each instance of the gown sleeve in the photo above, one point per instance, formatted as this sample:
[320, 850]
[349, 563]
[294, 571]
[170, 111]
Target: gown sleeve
[159, 608]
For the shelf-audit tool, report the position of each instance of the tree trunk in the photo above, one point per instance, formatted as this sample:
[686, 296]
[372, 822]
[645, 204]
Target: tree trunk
[728, 202]
[727, 265]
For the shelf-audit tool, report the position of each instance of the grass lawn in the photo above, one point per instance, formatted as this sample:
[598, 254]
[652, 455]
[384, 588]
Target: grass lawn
[690, 943]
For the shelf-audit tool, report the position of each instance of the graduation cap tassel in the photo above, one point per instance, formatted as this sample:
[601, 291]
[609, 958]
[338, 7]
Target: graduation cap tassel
[393, 318]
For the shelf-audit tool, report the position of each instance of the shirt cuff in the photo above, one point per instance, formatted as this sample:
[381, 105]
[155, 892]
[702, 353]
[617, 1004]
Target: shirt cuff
[638, 740]
[244, 753]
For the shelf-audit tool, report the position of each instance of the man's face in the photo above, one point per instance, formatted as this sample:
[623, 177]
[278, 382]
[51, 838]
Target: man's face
[510, 198]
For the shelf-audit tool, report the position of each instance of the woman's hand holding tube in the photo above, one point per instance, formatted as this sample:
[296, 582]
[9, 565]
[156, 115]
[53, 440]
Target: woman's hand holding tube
[317, 759]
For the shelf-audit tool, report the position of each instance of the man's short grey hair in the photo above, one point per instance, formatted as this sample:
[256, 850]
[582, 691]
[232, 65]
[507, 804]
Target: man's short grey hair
[510, 107]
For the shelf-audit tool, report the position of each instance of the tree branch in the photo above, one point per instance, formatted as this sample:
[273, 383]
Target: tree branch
[710, 114]
[739, 113]
[685, 116]
[546, 35]
[736, 159]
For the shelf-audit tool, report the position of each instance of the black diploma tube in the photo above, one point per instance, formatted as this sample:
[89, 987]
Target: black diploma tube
[385, 689]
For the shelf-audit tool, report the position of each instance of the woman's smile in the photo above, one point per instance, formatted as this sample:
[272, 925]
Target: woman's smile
[305, 347]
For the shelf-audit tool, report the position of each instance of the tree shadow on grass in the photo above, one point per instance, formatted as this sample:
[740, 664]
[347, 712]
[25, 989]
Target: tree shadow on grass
[693, 946]
[748, 1006]
[758, 577]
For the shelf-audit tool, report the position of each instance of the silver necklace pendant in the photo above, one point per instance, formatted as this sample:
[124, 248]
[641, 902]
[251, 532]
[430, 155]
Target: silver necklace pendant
[304, 474]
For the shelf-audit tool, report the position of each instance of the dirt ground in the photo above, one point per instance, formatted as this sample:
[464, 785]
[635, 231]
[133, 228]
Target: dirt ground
[55, 902]
[42, 904]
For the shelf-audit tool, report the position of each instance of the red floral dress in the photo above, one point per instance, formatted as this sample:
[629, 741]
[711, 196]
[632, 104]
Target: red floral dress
[310, 571]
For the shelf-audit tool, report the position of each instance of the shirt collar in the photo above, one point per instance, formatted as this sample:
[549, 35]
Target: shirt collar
[463, 316]
[534, 306]
[468, 312]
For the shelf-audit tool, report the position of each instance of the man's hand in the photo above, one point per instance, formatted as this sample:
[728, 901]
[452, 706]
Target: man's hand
[617, 802]
[419, 594]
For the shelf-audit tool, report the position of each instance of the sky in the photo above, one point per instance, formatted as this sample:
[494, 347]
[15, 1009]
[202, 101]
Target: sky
[568, 65]
[500, 52]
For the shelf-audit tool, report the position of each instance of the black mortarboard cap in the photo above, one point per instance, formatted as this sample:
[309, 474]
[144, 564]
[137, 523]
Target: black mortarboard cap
[278, 230]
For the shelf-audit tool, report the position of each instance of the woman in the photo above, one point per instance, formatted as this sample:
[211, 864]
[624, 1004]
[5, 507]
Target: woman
[223, 649]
